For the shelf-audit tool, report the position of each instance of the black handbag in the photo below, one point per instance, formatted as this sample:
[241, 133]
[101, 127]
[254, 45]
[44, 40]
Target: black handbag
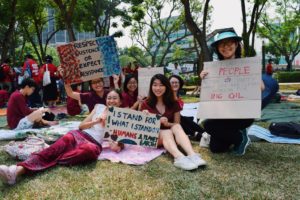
[285, 129]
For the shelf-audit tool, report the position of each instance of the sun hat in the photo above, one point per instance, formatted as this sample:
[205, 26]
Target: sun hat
[225, 35]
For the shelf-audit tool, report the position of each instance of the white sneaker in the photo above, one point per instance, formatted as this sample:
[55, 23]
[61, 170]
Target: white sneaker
[196, 158]
[205, 140]
[185, 163]
[8, 174]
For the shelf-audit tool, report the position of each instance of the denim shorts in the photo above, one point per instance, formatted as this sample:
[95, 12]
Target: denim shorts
[24, 123]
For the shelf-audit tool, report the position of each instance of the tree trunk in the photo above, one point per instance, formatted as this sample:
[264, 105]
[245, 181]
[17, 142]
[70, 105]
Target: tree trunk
[197, 33]
[289, 63]
[9, 33]
[67, 15]
[70, 30]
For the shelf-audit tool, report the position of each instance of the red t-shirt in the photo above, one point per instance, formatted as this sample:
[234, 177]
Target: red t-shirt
[128, 100]
[180, 102]
[4, 95]
[269, 69]
[16, 109]
[52, 68]
[8, 73]
[34, 68]
[169, 112]
[91, 99]
[73, 107]
[128, 70]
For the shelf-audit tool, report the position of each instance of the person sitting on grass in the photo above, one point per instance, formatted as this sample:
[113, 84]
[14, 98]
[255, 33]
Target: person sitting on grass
[4, 96]
[161, 101]
[192, 129]
[95, 96]
[228, 133]
[76, 147]
[73, 105]
[130, 93]
[271, 87]
[19, 115]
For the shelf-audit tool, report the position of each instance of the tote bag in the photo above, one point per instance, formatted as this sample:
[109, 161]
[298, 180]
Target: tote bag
[46, 77]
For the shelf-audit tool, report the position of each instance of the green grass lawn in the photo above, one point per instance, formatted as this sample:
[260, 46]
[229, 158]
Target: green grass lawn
[266, 171]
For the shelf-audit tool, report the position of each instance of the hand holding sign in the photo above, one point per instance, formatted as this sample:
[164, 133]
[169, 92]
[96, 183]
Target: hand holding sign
[132, 127]
[232, 89]
[89, 59]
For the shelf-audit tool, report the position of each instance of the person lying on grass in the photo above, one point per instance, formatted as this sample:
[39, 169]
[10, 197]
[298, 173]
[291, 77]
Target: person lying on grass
[19, 115]
[161, 101]
[76, 147]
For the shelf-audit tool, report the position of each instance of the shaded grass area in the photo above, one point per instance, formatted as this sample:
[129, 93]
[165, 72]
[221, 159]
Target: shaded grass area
[267, 171]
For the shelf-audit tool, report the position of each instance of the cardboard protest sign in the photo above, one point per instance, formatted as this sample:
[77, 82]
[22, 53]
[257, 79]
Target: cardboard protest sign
[232, 89]
[145, 75]
[89, 59]
[132, 127]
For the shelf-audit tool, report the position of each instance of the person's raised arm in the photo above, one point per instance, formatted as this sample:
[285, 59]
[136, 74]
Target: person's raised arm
[88, 122]
[116, 79]
[71, 93]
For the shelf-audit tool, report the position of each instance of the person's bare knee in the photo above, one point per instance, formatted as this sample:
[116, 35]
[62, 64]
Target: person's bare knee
[35, 116]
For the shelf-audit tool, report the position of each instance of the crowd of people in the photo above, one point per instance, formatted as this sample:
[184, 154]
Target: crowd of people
[84, 145]
[11, 79]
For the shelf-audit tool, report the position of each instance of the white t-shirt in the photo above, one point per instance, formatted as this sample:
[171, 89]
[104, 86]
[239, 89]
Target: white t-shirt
[97, 131]
[176, 71]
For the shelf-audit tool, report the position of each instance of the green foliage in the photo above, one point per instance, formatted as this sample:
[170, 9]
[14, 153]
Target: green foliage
[282, 30]
[154, 33]
[125, 59]
[288, 77]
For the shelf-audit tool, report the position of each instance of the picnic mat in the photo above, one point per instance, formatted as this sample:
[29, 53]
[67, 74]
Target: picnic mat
[256, 132]
[59, 109]
[281, 112]
[49, 134]
[3, 122]
[131, 154]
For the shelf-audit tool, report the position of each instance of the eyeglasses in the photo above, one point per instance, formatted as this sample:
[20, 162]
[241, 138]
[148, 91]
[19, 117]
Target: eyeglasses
[174, 82]
[132, 83]
[97, 81]
[227, 42]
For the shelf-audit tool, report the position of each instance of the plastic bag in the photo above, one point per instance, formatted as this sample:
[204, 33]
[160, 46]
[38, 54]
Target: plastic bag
[22, 150]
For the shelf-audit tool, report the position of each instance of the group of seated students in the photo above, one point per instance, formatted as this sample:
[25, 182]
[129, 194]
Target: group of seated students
[84, 145]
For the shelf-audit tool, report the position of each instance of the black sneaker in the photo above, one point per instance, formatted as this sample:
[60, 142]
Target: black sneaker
[240, 149]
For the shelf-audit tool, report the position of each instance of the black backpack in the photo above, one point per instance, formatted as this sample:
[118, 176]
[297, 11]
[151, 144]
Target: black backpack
[2, 74]
[285, 129]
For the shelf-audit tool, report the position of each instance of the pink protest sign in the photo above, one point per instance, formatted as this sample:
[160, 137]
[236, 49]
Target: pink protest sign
[231, 89]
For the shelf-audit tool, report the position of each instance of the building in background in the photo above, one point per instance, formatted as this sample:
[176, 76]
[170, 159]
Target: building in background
[186, 44]
[61, 37]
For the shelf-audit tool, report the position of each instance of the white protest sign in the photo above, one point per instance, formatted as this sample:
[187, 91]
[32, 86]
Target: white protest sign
[145, 75]
[232, 89]
[89, 59]
[132, 127]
